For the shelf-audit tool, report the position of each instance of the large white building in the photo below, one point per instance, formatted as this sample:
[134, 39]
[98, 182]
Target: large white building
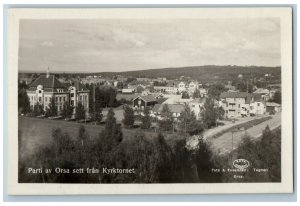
[240, 104]
[46, 87]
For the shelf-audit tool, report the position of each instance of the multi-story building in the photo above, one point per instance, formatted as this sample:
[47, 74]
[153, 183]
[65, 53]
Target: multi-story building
[238, 104]
[48, 87]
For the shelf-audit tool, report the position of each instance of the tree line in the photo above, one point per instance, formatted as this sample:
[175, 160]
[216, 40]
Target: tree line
[155, 159]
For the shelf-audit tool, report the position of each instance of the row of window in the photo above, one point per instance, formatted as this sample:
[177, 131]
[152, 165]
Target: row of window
[60, 99]
[57, 99]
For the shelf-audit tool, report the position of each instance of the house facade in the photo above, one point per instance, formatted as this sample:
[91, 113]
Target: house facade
[238, 104]
[48, 87]
[141, 102]
[196, 106]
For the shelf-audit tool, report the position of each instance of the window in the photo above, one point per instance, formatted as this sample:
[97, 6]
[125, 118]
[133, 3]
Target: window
[72, 94]
[258, 104]
[49, 99]
[40, 99]
[60, 99]
[72, 102]
[56, 99]
[40, 91]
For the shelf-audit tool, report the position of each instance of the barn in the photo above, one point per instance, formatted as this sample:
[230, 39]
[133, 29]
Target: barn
[140, 102]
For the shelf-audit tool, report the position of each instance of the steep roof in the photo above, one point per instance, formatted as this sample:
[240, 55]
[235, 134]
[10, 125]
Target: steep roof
[48, 82]
[262, 91]
[156, 108]
[77, 84]
[147, 98]
[161, 100]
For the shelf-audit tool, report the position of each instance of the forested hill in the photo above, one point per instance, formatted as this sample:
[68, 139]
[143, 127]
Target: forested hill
[201, 72]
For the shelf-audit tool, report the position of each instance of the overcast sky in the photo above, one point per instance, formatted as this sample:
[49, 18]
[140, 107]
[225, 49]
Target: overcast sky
[120, 45]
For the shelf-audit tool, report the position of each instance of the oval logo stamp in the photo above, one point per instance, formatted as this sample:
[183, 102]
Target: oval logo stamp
[241, 164]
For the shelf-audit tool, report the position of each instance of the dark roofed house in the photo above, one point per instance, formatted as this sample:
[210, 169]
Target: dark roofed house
[140, 102]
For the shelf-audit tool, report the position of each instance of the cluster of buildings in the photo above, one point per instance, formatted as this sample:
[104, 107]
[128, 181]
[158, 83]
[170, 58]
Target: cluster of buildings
[144, 93]
[243, 104]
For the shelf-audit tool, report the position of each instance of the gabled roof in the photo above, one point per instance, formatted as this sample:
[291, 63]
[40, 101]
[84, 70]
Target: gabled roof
[161, 100]
[262, 91]
[48, 82]
[147, 98]
[156, 108]
[77, 84]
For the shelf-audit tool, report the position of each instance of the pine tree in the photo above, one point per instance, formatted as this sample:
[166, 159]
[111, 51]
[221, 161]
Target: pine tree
[67, 110]
[166, 124]
[210, 113]
[82, 135]
[51, 110]
[80, 112]
[23, 102]
[146, 119]
[38, 109]
[189, 123]
[112, 130]
[128, 116]
[185, 95]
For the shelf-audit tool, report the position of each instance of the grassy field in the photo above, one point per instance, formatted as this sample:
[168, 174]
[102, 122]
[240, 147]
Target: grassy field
[36, 132]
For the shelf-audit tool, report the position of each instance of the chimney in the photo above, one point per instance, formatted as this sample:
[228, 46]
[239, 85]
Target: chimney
[48, 73]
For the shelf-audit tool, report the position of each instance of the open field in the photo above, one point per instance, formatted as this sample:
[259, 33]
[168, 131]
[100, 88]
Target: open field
[36, 132]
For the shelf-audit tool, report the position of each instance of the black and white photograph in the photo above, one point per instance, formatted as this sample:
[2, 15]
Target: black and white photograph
[155, 101]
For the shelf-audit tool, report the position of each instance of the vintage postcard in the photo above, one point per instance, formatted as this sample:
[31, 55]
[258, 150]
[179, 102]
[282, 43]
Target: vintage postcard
[150, 101]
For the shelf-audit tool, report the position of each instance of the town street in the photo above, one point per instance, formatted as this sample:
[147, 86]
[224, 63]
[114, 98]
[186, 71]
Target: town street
[223, 144]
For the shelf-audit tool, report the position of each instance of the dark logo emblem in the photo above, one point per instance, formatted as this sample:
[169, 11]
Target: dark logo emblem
[241, 164]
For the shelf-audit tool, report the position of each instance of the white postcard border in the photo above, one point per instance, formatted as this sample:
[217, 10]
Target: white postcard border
[286, 186]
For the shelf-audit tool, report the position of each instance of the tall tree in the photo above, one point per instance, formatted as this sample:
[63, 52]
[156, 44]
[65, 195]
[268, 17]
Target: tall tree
[196, 94]
[80, 112]
[185, 95]
[189, 123]
[23, 102]
[210, 113]
[128, 116]
[51, 110]
[146, 119]
[205, 162]
[166, 124]
[215, 90]
[67, 110]
[82, 135]
[277, 97]
[38, 109]
[112, 130]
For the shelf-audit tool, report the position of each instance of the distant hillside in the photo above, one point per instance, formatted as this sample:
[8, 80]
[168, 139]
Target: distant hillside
[203, 73]
[210, 73]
